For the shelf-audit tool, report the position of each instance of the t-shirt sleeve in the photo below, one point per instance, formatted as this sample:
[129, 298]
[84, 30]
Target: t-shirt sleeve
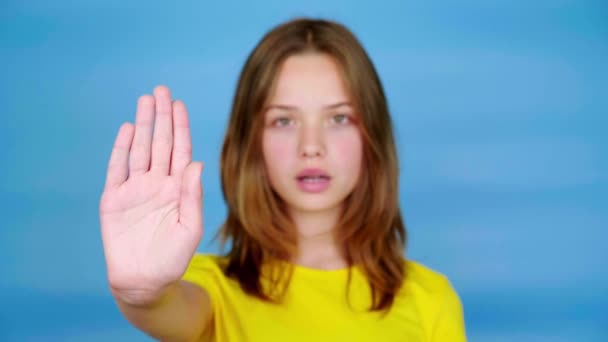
[449, 325]
[205, 272]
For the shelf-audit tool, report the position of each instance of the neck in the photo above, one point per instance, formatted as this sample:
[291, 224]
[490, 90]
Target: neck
[316, 244]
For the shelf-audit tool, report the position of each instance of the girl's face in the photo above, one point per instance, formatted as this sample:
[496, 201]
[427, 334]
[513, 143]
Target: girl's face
[310, 123]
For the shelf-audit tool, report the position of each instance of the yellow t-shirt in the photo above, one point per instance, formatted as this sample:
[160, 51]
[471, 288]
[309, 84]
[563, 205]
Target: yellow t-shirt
[315, 308]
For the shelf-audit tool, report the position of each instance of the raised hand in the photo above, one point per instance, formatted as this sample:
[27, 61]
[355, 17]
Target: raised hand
[151, 206]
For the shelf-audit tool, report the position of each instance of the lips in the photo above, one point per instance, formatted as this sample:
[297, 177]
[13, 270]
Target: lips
[313, 181]
[309, 173]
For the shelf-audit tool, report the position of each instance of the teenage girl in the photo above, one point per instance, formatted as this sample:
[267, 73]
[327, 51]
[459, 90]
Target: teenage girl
[309, 175]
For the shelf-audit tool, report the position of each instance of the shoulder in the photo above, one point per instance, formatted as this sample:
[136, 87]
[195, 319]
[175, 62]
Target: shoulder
[205, 270]
[425, 279]
[438, 304]
[429, 286]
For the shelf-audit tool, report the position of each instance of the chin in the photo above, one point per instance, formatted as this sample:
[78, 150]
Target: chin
[314, 203]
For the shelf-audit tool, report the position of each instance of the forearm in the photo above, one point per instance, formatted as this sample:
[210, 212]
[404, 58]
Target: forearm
[180, 314]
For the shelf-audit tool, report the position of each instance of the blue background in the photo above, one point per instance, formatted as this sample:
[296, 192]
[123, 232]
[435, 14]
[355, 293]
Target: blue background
[499, 108]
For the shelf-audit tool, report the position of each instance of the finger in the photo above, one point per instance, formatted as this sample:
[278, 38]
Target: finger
[181, 155]
[139, 161]
[117, 166]
[162, 141]
[191, 197]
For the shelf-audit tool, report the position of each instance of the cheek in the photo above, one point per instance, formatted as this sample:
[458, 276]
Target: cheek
[348, 149]
[276, 151]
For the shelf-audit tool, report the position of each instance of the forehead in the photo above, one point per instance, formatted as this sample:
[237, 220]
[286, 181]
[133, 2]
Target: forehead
[309, 81]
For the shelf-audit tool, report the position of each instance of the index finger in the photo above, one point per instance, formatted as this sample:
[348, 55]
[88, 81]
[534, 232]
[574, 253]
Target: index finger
[119, 159]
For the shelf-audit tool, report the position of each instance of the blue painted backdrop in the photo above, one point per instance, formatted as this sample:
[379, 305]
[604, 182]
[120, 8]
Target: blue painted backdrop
[499, 107]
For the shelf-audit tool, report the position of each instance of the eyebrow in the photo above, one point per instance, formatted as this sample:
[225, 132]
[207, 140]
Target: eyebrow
[286, 107]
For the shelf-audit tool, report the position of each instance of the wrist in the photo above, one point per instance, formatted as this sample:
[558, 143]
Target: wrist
[145, 299]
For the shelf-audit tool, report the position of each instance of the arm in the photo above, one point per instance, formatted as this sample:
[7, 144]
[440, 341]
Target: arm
[151, 221]
[182, 313]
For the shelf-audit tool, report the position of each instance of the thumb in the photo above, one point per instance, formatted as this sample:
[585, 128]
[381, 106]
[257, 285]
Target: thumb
[191, 197]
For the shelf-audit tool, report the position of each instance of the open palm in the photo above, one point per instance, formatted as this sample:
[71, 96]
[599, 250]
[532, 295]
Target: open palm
[151, 206]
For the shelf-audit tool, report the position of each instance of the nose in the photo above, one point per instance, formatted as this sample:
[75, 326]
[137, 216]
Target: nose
[312, 143]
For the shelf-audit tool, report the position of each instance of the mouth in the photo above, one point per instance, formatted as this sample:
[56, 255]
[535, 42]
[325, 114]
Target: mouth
[313, 180]
[313, 175]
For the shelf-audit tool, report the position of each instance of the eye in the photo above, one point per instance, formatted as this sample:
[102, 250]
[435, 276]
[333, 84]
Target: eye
[282, 122]
[341, 118]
